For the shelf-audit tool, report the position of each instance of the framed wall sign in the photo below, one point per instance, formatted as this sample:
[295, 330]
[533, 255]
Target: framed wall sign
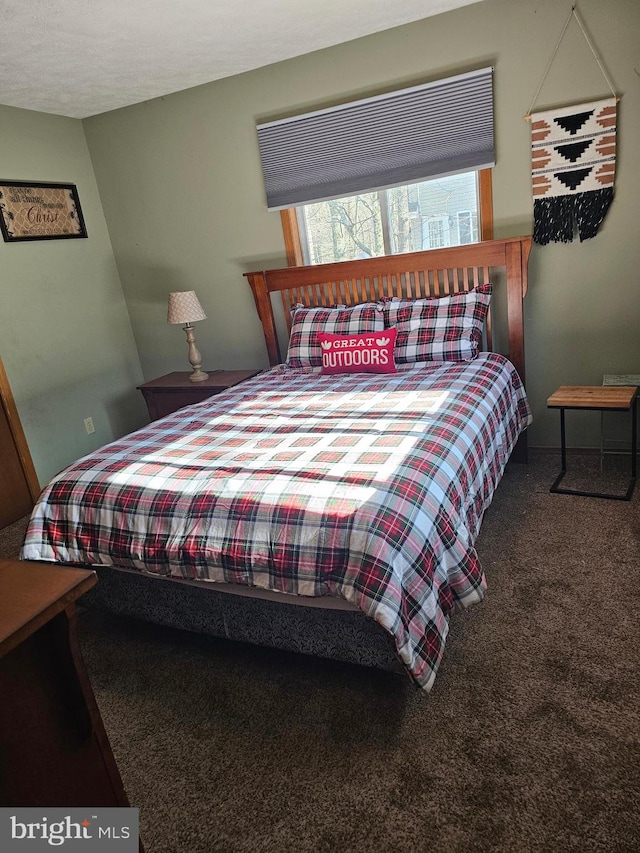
[32, 210]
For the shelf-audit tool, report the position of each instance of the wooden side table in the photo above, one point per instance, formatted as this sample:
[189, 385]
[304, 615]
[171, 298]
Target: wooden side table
[169, 393]
[54, 748]
[610, 398]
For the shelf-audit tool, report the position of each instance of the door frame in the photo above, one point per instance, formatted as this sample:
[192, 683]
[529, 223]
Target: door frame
[9, 405]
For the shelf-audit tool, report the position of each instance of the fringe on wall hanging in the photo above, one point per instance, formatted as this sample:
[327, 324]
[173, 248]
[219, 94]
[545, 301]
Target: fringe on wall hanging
[573, 154]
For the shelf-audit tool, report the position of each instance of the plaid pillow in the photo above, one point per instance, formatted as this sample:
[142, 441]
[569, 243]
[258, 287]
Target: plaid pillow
[304, 346]
[439, 329]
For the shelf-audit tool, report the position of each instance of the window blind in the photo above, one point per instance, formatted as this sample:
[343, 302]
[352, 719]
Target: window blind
[439, 128]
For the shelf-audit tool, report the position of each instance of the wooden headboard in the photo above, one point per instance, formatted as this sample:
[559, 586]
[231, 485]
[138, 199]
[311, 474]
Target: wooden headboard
[437, 272]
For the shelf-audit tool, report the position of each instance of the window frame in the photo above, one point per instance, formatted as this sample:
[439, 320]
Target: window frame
[291, 230]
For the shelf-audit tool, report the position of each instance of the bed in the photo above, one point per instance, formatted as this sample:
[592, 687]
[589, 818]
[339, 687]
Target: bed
[329, 505]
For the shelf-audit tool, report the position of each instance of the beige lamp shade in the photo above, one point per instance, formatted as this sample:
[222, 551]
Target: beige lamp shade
[184, 307]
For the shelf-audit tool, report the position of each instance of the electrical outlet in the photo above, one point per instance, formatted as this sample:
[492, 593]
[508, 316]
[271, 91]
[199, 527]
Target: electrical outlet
[88, 425]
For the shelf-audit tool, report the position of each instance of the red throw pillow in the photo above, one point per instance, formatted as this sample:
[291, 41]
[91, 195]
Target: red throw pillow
[371, 352]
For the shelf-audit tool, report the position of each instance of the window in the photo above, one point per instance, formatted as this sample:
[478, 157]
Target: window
[326, 162]
[439, 128]
[427, 215]
[437, 233]
[467, 226]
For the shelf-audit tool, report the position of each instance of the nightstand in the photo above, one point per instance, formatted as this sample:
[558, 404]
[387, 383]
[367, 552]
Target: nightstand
[169, 393]
[610, 398]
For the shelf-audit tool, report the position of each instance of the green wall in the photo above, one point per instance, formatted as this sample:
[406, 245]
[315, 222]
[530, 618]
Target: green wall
[65, 336]
[180, 182]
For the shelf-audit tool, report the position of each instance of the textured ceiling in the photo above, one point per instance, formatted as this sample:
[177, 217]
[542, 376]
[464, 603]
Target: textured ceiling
[83, 57]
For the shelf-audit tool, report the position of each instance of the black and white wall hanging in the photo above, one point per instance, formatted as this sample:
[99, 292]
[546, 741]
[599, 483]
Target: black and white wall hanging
[573, 156]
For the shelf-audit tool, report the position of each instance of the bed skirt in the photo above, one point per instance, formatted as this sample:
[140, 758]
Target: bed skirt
[342, 635]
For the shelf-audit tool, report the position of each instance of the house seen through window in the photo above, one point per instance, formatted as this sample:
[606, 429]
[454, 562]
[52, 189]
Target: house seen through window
[443, 211]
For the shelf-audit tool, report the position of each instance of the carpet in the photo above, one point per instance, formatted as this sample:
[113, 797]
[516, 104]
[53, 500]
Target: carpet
[529, 740]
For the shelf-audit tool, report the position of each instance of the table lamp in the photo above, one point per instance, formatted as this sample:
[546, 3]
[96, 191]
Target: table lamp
[185, 307]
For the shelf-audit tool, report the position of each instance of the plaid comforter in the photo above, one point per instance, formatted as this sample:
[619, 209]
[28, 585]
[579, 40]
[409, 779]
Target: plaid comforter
[368, 487]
